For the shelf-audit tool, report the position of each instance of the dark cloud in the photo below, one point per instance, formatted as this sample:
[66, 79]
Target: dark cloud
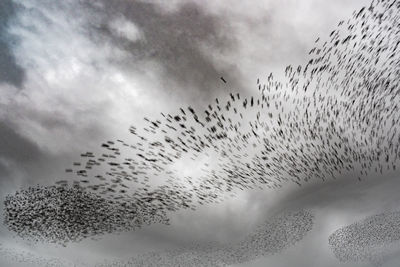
[17, 153]
[10, 71]
[172, 43]
[174, 40]
[15, 147]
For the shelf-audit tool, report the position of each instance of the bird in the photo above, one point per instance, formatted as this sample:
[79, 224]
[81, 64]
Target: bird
[335, 115]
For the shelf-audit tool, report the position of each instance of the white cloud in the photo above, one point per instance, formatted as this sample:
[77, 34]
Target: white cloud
[76, 93]
[74, 84]
[126, 29]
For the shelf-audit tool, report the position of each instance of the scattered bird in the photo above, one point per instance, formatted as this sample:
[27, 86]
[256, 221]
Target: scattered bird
[337, 114]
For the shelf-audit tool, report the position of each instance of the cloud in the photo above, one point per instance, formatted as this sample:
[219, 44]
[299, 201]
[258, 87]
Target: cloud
[89, 77]
[16, 147]
[16, 256]
[184, 42]
[97, 73]
[10, 71]
[71, 91]
[125, 29]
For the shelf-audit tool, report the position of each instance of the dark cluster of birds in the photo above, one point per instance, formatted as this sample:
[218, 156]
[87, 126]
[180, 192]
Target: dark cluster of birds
[272, 237]
[80, 214]
[367, 240]
[335, 115]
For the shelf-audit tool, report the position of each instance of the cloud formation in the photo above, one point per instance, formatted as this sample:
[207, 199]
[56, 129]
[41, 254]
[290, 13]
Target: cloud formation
[88, 78]
[10, 71]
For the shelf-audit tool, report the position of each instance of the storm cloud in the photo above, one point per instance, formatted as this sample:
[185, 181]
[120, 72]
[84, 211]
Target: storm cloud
[74, 74]
[185, 42]
[10, 71]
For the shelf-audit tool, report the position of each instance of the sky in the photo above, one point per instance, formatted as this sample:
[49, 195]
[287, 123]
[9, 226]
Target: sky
[75, 73]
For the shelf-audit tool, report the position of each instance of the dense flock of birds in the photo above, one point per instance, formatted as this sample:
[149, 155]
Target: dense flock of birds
[264, 240]
[370, 239]
[273, 236]
[81, 214]
[337, 114]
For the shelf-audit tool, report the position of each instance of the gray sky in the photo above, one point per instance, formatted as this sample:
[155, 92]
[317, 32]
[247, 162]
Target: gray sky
[76, 73]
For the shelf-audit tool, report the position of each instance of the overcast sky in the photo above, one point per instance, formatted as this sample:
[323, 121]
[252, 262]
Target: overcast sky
[75, 73]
